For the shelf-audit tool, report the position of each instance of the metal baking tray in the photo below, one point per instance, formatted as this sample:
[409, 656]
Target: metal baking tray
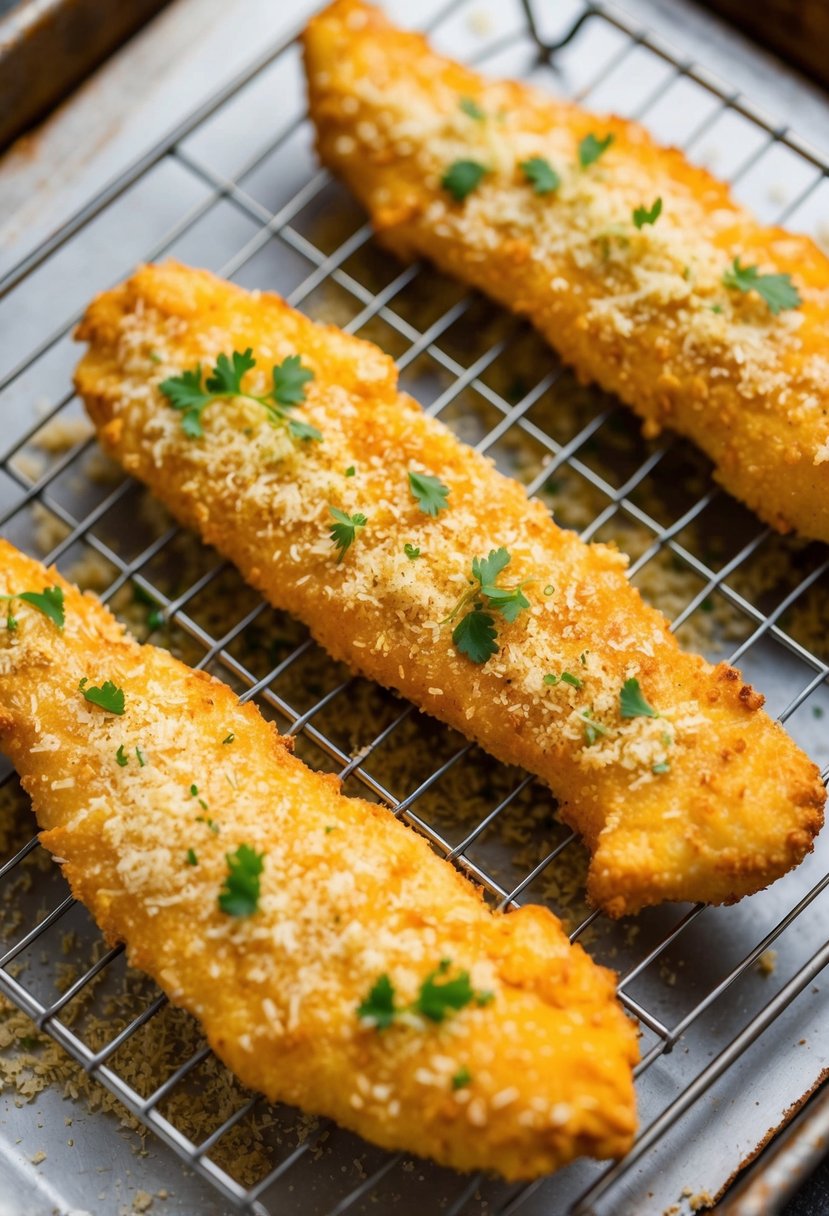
[732, 1003]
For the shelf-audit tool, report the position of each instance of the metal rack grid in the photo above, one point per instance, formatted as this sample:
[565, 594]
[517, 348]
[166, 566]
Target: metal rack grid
[765, 627]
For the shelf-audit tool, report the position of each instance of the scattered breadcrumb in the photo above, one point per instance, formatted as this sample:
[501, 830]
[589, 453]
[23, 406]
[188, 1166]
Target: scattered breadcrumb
[767, 962]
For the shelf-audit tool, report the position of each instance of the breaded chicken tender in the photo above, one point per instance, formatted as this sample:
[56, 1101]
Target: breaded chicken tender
[147, 778]
[638, 267]
[681, 786]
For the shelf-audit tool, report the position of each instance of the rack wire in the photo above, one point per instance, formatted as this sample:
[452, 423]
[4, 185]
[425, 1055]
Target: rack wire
[766, 628]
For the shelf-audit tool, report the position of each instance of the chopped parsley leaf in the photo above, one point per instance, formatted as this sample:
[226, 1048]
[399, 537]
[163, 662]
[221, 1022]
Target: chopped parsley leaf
[437, 997]
[350, 471]
[108, 696]
[647, 215]
[435, 1000]
[211, 823]
[344, 531]
[192, 859]
[378, 1006]
[121, 758]
[229, 738]
[430, 492]
[461, 1078]
[566, 677]
[462, 177]
[241, 888]
[817, 711]
[632, 703]
[412, 552]
[540, 174]
[591, 148]
[662, 767]
[592, 729]
[48, 602]
[140, 757]
[472, 109]
[778, 290]
[187, 394]
[475, 633]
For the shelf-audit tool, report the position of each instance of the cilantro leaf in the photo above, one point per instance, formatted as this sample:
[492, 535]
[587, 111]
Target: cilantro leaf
[778, 290]
[241, 888]
[192, 859]
[632, 703]
[475, 635]
[591, 148]
[411, 551]
[49, 602]
[303, 430]
[471, 108]
[541, 174]
[509, 601]
[108, 696]
[430, 492]
[435, 1000]
[662, 767]
[461, 1078]
[462, 177]
[378, 1006]
[289, 380]
[226, 378]
[647, 215]
[344, 531]
[121, 759]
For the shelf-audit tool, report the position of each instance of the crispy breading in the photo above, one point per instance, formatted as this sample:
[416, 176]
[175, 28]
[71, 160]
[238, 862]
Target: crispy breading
[709, 801]
[347, 894]
[644, 311]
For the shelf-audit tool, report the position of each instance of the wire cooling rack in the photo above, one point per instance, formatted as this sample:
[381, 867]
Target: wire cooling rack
[729, 1040]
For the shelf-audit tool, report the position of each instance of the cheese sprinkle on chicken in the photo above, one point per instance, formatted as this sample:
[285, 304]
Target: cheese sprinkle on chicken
[681, 786]
[664, 308]
[530, 1068]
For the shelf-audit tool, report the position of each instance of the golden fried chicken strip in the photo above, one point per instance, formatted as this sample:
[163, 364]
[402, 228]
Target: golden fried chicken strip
[521, 1082]
[643, 311]
[710, 800]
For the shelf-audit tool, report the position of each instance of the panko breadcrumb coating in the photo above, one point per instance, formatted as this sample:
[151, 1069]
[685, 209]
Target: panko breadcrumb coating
[142, 807]
[645, 311]
[699, 796]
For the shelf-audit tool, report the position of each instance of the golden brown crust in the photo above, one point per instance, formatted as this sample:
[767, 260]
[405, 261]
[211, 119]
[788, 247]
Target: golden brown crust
[740, 804]
[348, 893]
[642, 312]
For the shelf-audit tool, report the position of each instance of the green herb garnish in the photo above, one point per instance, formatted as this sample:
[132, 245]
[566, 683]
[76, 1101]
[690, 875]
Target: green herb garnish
[187, 394]
[139, 755]
[632, 703]
[229, 738]
[540, 174]
[430, 492]
[662, 767]
[566, 677]
[778, 290]
[192, 859]
[49, 602]
[240, 892]
[412, 552]
[475, 633]
[592, 729]
[472, 109]
[344, 531]
[350, 471]
[121, 758]
[108, 696]
[437, 997]
[647, 215]
[591, 148]
[461, 1078]
[461, 178]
